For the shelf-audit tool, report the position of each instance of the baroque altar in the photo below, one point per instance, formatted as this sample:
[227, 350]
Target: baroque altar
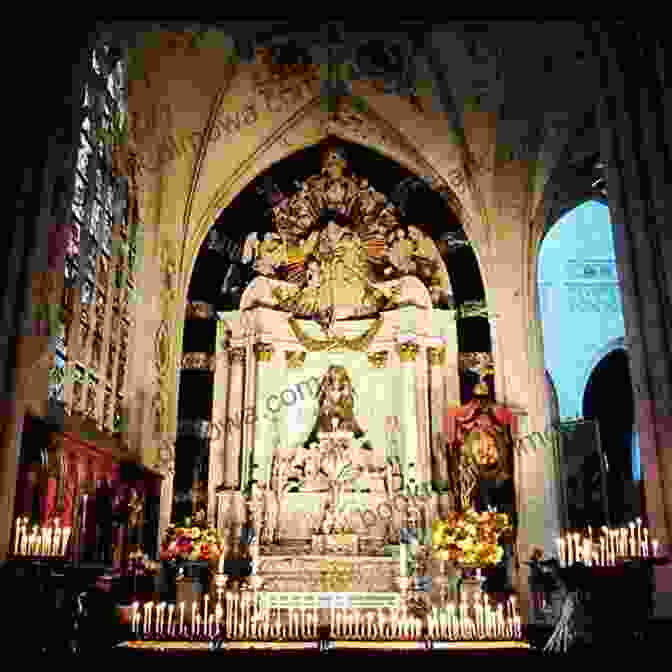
[333, 381]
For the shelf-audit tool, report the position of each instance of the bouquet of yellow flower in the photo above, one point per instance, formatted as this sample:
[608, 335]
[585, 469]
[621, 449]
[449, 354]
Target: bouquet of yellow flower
[191, 543]
[470, 538]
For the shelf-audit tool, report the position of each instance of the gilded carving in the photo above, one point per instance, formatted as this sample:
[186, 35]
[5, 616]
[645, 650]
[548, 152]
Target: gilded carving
[378, 360]
[437, 356]
[263, 352]
[296, 359]
[199, 310]
[408, 351]
[202, 361]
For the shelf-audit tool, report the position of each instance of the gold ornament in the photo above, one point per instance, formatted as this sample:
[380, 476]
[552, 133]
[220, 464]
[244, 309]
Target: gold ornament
[437, 356]
[378, 360]
[263, 352]
[357, 344]
[408, 351]
[295, 360]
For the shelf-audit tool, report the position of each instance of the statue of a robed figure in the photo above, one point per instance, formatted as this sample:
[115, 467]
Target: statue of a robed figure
[480, 464]
[480, 454]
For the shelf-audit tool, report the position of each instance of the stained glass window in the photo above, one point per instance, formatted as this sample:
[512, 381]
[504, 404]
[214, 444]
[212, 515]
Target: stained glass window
[99, 219]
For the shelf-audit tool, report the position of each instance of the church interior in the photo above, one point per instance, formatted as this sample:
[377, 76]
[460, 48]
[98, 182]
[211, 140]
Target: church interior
[284, 368]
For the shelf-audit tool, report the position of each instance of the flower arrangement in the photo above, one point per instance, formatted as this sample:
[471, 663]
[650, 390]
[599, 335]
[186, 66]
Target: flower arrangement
[470, 537]
[139, 564]
[191, 543]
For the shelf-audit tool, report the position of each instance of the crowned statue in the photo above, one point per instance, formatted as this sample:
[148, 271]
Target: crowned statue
[340, 253]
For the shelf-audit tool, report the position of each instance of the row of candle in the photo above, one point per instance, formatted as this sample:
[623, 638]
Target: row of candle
[245, 621]
[49, 541]
[614, 544]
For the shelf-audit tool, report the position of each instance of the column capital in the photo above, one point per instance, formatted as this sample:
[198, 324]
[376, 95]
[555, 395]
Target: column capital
[437, 355]
[408, 351]
[378, 360]
[263, 352]
[295, 359]
[237, 355]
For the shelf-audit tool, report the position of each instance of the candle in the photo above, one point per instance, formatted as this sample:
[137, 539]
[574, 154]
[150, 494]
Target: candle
[561, 551]
[148, 617]
[19, 527]
[654, 544]
[638, 521]
[66, 537]
[181, 618]
[170, 620]
[218, 616]
[134, 613]
[193, 619]
[570, 550]
[205, 609]
[198, 625]
[577, 548]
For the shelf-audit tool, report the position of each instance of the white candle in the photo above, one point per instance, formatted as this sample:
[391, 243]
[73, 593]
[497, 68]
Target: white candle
[170, 620]
[181, 619]
[19, 527]
[654, 544]
[638, 521]
[134, 613]
[205, 609]
[66, 537]
[561, 551]
[194, 631]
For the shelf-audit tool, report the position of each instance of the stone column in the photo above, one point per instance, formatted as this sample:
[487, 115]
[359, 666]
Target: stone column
[436, 361]
[220, 402]
[634, 115]
[424, 418]
[261, 455]
[451, 366]
[409, 421]
[249, 410]
[234, 418]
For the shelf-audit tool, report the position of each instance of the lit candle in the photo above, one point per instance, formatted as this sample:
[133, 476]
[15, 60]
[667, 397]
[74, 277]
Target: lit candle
[570, 550]
[212, 625]
[66, 537]
[577, 548]
[134, 614]
[198, 625]
[561, 551]
[587, 553]
[181, 619]
[632, 540]
[646, 542]
[218, 616]
[654, 544]
[170, 620]
[148, 617]
[205, 609]
[19, 527]
[638, 521]
[603, 551]
[193, 619]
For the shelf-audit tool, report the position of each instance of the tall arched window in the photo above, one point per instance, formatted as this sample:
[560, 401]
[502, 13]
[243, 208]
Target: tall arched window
[91, 353]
